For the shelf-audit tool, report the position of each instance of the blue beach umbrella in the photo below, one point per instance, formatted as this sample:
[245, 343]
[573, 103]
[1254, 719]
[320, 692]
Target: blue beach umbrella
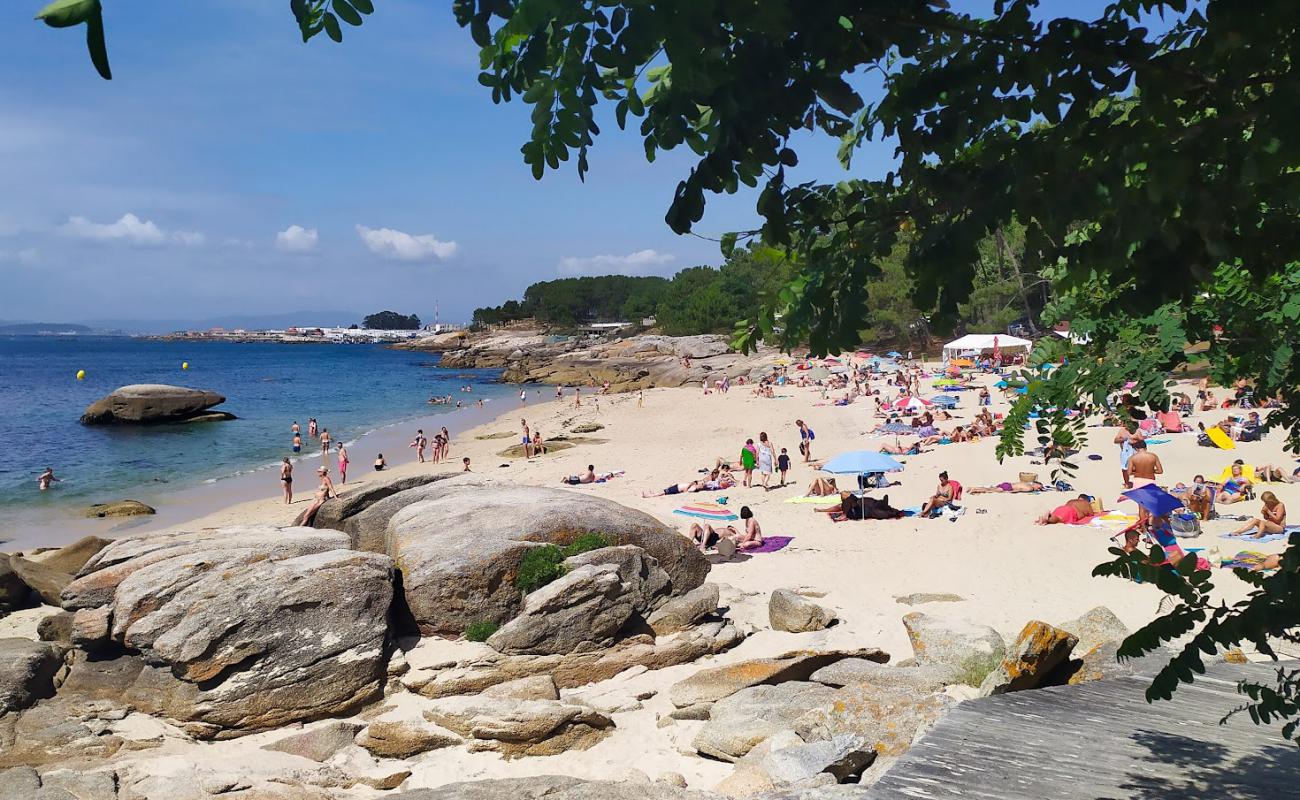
[1154, 499]
[894, 354]
[945, 400]
[1000, 385]
[861, 462]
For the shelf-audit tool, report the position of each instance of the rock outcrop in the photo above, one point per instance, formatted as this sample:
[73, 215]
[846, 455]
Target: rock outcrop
[739, 722]
[684, 611]
[583, 610]
[46, 581]
[405, 738]
[554, 787]
[145, 403]
[1095, 627]
[1038, 650]
[459, 543]
[521, 727]
[715, 683]
[488, 668]
[791, 612]
[27, 670]
[968, 649]
[185, 602]
[120, 508]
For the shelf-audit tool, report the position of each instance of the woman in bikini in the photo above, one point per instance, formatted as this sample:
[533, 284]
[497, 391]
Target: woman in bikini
[323, 492]
[286, 479]
[1271, 519]
[1072, 512]
[1234, 489]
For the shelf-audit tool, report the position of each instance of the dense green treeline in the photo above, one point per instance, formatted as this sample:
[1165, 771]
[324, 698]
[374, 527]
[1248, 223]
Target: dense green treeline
[695, 300]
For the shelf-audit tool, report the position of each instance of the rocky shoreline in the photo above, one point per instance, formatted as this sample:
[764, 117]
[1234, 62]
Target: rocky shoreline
[411, 624]
[528, 354]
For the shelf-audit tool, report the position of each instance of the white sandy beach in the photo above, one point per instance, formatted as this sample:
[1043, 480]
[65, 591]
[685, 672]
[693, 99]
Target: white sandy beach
[1007, 569]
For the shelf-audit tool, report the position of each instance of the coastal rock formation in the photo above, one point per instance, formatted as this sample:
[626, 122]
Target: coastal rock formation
[318, 743]
[13, 591]
[1095, 627]
[785, 760]
[337, 510]
[1038, 650]
[964, 647]
[684, 611]
[483, 667]
[650, 583]
[713, 684]
[921, 679]
[120, 508]
[793, 613]
[71, 558]
[405, 738]
[44, 580]
[184, 601]
[1102, 662]
[521, 727]
[582, 610]
[887, 719]
[27, 671]
[144, 403]
[459, 542]
[554, 787]
[739, 722]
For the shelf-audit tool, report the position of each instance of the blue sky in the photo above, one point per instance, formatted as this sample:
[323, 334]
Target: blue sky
[230, 169]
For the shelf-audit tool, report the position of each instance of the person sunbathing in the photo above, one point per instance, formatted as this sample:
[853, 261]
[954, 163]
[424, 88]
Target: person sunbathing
[1273, 474]
[821, 487]
[941, 499]
[1199, 497]
[1009, 487]
[587, 477]
[1236, 487]
[1271, 519]
[677, 488]
[1072, 512]
[896, 448]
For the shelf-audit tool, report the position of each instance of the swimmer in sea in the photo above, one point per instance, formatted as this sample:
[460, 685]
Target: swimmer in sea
[46, 478]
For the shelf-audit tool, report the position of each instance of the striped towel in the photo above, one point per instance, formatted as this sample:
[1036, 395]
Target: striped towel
[707, 510]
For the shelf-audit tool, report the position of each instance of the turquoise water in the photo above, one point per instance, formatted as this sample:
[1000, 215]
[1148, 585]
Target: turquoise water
[349, 389]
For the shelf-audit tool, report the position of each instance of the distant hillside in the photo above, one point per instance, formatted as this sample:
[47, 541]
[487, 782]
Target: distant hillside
[32, 328]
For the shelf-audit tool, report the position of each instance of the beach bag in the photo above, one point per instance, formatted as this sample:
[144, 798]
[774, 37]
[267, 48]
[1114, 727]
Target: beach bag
[1029, 477]
[1185, 524]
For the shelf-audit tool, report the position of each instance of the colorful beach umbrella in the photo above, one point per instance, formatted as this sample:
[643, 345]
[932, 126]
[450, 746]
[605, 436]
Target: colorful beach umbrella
[861, 462]
[1000, 385]
[945, 400]
[910, 404]
[894, 354]
[1154, 499]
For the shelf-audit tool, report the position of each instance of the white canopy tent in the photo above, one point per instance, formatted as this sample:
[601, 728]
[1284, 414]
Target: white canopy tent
[982, 344]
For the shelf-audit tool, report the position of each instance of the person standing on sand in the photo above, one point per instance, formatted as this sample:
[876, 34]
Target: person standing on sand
[748, 460]
[46, 478]
[577, 396]
[286, 479]
[766, 459]
[1125, 438]
[419, 443]
[1143, 467]
[640, 398]
[343, 463]
[528, 439]
[806, 437]
[311, 427]
[446, 443]
[325, 440]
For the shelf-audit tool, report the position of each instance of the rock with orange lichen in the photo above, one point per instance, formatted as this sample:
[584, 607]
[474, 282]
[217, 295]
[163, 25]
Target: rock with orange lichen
[888, 720]
[968, 649]
[1038, 650]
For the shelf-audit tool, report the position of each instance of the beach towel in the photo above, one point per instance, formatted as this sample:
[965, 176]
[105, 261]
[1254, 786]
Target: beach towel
[1220, 439]
[770, 544]
[896, 427]
[707, 510]
[1158, 441]
[1246, 537]
[1246, 559]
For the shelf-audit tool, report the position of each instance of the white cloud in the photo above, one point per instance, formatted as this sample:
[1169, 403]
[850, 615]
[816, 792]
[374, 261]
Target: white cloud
[401, 246]
[296, 239]
[129, 228]
[639, 262]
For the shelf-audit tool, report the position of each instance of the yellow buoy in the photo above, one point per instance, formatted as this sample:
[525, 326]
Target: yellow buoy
[81, 374]
[185, 365]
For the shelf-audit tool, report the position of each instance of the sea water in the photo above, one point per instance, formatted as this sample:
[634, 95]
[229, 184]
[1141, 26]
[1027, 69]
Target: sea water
[350, 389]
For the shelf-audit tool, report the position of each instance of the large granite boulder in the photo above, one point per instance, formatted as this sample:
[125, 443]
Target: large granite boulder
[714, 683]
[14, 593]
[27, 670]
[1095, 627]
[245, 629]
[521, 727]
[792, 612]
[971, 650]
[887, 719]
[1038, 650]
[44, 580]
[120, 508]
[336, 511]
[582, 610]
[635, 567]
[685, 610]
[154, 402]
[741, 721]
[460, 541]
[72, 557]
[921, 678]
